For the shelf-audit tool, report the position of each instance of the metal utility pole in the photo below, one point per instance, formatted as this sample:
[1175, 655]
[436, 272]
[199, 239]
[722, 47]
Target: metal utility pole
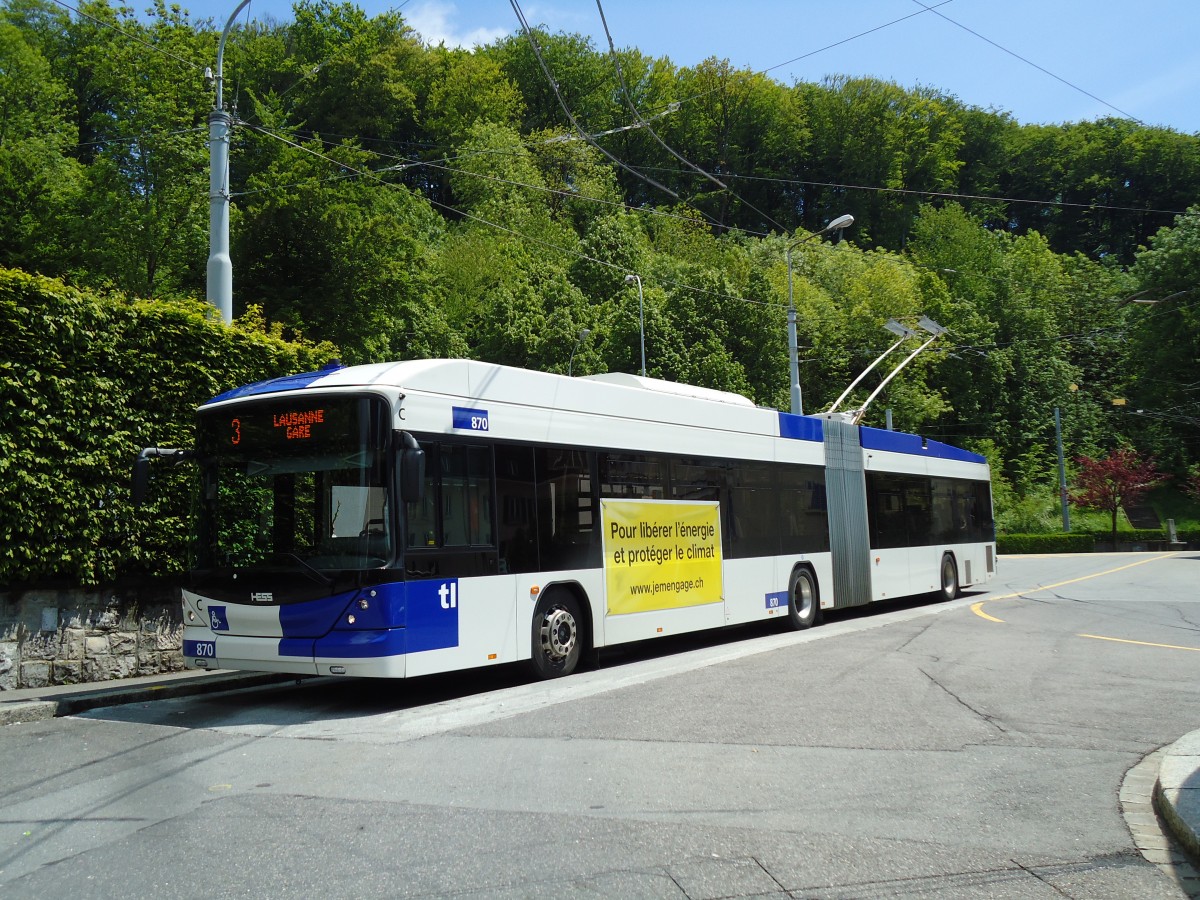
[219, 288]
[1062, 471]
[837, 224]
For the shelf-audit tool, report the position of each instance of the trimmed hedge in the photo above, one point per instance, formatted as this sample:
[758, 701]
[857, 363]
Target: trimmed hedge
[1045, 543]
[1131, 536]
[86, 381]
[1086, 541]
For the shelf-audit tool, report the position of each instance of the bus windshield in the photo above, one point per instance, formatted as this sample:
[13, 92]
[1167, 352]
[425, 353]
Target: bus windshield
[295, 485]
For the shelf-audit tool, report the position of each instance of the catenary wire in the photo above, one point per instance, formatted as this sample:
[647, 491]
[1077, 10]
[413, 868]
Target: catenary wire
[1042, 69]
[537, 52]
[133, 37]
[612, 52]
[504, 228]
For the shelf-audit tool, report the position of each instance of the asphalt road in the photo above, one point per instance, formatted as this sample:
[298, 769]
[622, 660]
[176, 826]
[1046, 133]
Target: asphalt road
[969, 749]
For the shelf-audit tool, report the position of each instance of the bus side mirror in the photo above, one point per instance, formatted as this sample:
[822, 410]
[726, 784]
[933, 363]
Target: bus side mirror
[412, 468]
[141, 478]
[141, 468]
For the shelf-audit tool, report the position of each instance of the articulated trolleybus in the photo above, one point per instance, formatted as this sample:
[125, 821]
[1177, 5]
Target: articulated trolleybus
[403, 519]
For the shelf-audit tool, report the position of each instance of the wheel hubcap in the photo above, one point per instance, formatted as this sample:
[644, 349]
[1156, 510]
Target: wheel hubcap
[558, 633]
[802, 598]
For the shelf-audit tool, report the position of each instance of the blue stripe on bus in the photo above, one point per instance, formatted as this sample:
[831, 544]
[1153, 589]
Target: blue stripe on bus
[400, 618]
[199, 649]
[914, 445]
[362, 644]
[302, 647]
[271, 385]
[313, 618]
[800, 428]
[432, 615]
[777, 600]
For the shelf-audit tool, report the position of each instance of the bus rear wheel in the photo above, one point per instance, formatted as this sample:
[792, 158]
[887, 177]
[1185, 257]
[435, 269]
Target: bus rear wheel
[949, 570]
[557, 636]
[803, 602]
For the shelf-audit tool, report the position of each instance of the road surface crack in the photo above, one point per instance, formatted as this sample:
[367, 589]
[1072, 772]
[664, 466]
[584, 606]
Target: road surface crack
[989, 719]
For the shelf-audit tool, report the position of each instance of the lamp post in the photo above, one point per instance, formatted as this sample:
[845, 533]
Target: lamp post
[793, 349]
[583, 332]
[630, 279]
[219, 286]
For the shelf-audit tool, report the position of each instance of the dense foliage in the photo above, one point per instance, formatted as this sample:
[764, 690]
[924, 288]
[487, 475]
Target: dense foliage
[85, 382]
[400, 201]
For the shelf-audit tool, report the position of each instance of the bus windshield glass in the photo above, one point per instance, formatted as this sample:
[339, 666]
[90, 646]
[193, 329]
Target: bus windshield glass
[294, 484]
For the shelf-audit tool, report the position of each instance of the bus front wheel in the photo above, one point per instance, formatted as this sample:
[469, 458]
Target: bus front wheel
[557, 636]
[949, 578]
[803, 603]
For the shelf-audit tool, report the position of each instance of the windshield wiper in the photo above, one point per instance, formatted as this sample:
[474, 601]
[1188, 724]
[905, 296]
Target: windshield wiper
[312, 571]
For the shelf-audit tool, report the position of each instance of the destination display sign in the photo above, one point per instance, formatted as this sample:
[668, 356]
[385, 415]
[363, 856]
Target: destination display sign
[290, 427]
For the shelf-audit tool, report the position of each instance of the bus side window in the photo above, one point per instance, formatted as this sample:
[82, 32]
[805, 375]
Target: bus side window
[466, 496]
[516, 509]
[754, 522]
[564, 507]
[805, 523]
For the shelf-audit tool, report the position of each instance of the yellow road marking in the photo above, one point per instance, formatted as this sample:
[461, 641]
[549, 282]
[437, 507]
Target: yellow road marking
[978, 607]
[1100, 637]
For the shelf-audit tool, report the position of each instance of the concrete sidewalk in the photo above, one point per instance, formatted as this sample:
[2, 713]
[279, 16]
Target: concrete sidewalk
[1177, 791]
[33, 704]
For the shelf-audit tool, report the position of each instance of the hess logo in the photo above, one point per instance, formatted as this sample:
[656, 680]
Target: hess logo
[448, 595]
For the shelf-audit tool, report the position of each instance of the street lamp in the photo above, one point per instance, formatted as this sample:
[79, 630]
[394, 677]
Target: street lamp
[630, 279]
[583, 332]
[793, 349]
[219, 285]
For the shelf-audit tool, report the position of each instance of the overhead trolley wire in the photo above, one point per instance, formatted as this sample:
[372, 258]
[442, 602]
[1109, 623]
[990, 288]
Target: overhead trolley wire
[366, 173]
[612, 52]
[133, 37]
[1042, 69]
[948, 195]
[537, 52]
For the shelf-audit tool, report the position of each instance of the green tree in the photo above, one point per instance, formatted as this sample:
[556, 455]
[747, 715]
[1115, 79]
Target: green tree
[40, 184]
[1165, 343]
[874, 133]
[1117, 480]
[342, 259]
[467, 89]
[141, 120]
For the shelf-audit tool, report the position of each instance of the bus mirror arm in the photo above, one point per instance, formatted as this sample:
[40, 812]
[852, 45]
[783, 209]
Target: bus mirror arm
[412, 468]
[141, 467]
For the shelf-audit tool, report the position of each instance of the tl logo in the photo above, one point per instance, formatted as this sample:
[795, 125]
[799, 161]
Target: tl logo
[448, 594]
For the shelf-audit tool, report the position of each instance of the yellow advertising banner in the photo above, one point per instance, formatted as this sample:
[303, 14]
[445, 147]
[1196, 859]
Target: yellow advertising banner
[661, 554]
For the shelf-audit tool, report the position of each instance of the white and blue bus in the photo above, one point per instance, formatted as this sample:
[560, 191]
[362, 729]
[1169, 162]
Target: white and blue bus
[417, 517]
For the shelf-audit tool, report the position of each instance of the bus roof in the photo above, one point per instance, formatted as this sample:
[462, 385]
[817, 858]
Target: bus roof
[660, 400]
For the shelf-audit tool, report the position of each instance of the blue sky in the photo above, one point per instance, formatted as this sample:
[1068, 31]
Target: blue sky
[1141, 57]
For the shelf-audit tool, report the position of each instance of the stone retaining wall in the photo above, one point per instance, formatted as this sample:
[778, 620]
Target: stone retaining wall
[71, 636]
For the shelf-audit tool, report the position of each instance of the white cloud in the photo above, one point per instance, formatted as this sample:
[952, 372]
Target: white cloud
[436, 23]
